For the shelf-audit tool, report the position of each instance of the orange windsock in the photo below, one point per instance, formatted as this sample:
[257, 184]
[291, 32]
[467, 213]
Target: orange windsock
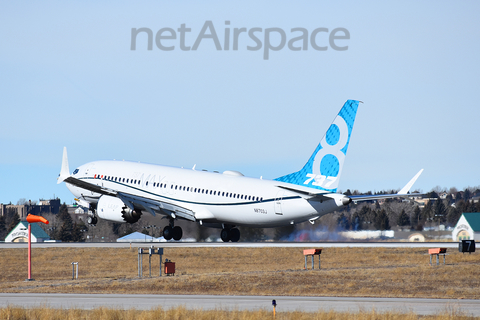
[32, 218]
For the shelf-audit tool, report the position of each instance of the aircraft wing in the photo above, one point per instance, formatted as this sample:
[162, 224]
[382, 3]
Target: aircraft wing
[90, 187]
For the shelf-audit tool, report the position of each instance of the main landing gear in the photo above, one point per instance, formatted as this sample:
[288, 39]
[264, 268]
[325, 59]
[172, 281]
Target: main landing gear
[92, 220]
[230, 234]
[171, 231]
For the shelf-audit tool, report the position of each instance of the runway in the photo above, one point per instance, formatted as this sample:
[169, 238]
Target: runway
[208, 302]
[234, 245]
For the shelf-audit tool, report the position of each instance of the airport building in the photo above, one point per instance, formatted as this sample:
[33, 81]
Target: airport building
[467, 227]
[43, 207]
[20, 233]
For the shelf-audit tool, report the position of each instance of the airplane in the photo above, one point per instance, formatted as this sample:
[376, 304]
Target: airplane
[121, 191]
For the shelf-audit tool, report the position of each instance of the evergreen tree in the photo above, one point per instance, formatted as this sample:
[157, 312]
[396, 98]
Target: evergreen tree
[356, 221]
[439, 211]
[3, 228]
[403, 219]
[367, 216]
[427, 212]
[66, 230]
[63, 212]
[343, 222]
[453, 214]
[416, 217]
[382, 222]
[78, 231]
[14, 220]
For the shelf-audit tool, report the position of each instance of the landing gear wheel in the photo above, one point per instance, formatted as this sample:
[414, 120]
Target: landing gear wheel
[234, 235]
[177, 233]
[225, 235]
[92, 220]
[168, 233]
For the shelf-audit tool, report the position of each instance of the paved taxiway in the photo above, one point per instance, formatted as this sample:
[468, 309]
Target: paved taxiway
[235, 245]
[207, 302]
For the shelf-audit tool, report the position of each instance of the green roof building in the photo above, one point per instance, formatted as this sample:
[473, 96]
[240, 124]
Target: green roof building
[467, 227]
[20, 233]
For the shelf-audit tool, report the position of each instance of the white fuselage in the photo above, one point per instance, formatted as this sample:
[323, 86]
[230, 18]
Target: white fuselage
[226, 198]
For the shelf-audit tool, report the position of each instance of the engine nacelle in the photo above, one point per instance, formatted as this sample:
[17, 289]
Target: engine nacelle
[113, 209]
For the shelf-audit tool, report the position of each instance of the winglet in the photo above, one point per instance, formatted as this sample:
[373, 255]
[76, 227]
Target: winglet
[64, 171]
[407, 187]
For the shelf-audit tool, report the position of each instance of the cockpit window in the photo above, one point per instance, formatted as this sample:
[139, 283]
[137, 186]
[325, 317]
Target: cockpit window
[76, 171]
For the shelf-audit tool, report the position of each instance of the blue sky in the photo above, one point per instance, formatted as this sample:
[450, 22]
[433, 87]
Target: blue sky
[69, 78]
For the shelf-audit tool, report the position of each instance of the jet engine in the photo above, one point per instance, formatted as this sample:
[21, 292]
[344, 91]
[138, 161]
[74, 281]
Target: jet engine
[113, 209]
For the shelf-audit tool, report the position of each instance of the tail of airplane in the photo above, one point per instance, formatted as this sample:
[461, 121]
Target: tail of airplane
[64, 171]
[323, 169]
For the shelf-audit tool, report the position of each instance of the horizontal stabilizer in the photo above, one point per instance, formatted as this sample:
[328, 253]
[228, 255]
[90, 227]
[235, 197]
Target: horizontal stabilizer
[409, 185]
[403, 193]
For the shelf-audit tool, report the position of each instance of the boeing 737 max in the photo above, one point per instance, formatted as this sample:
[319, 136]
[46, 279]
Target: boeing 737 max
[122, 191]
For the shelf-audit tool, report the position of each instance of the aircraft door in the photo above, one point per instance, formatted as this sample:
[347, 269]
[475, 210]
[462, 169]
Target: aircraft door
[278, 202]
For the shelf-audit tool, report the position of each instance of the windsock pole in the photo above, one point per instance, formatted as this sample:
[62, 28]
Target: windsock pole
[32, 219]
[30, 253]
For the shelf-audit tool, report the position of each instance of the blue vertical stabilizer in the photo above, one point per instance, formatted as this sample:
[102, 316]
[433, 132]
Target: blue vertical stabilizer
[323, 169]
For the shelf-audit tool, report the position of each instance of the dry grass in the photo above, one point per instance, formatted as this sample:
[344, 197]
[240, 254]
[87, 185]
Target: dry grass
[45, 313]
[368, 272]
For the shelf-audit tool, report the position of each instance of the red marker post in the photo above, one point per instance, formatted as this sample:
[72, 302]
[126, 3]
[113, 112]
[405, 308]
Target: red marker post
[32, 219]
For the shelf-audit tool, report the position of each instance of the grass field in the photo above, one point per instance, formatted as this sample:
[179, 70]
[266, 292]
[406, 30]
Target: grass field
[367, 272]
[13, 313]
